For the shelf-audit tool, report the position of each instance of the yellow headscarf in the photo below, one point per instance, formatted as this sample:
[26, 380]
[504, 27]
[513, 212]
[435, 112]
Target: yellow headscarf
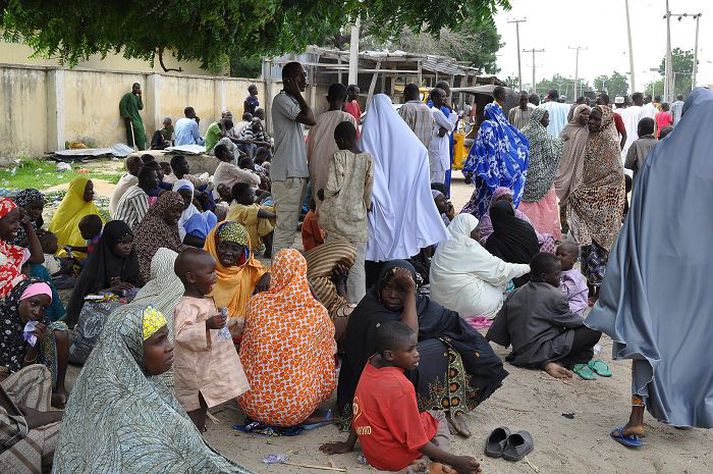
[235, 285]
[152, 321]
[65, 222]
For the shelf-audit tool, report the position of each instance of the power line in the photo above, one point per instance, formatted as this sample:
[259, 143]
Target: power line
[576, 67]
[533, 51]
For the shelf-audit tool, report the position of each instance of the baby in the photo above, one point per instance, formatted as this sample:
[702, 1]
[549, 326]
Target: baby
[208, 371]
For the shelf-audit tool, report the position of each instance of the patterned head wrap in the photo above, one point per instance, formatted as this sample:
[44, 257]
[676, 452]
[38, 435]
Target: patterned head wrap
[234, 233]
[153, 320]
[7, 205]
[27, 196]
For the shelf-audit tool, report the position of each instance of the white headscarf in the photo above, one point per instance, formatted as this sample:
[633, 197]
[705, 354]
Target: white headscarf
[465, 277]
[404, 218]
[190, 210]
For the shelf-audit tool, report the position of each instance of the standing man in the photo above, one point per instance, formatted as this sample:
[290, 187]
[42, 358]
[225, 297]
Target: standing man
[251, 101]
[129, 107]
[558, 113]
[500, 95]
[677, 109]
[520, 115]
[439, 154]
[186, 130]
[352, 105]
[416, 114]
[320, 141]
[631, 116]
[289, 171]
[650, 109]
[453, 118]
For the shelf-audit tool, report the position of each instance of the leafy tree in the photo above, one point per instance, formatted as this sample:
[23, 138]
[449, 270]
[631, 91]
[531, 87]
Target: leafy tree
[683, 68]
[615, 85]
[211, 31]
[513, 82]
[654, 88]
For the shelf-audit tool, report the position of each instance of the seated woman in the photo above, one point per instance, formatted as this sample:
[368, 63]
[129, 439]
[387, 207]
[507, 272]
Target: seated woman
[513, 240]
[327, 269]
[158, 229]
[121, 408]
[544, 333]
[240, 275]
[12, 257]
[194, 225]
[286, 389]
[77, 203]
[111, 270]
[546, 241]
[458, 369]
[44, 342]
[465, 277]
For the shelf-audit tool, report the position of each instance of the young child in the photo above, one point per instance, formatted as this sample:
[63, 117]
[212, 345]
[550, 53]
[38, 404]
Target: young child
[207, 368]
[90, 227]
[572, 283]
[393, 434]
[55, 265]
[258, 221]
[130, 178]
[312, 233]
[544, 333]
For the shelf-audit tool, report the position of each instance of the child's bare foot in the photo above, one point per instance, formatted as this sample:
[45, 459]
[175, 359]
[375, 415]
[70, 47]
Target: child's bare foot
[59, 398]
[459, 425]
[557, 371]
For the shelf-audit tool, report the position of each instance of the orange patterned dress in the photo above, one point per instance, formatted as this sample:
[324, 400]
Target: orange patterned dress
[288, 347]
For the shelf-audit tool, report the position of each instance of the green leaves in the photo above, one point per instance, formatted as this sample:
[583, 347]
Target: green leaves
[212, 30]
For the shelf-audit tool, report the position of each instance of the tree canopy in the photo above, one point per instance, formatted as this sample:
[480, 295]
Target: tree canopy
[614, 85]
[211, 31]
[682, 68]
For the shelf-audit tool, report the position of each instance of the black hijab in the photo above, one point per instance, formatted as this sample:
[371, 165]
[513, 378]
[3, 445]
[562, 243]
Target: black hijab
[102, 265]
[513, 240]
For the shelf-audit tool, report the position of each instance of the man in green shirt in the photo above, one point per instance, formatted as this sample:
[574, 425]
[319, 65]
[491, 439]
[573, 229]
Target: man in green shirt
[216, 131]
[129, 107]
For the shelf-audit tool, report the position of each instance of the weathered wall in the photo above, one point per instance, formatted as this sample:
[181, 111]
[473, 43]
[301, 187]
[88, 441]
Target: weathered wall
[23, 102]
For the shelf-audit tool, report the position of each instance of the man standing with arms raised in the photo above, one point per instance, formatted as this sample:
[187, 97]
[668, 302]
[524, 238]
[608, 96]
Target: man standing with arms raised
[289, 171]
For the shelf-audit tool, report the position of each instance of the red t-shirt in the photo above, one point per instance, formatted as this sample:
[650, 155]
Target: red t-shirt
[386, 418]
[663, 119]
[354, 109]
[619, 124]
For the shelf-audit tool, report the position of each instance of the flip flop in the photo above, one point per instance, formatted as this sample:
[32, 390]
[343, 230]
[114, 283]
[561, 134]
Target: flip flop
[629, 441]
[600, 367]
[584, 371]
[328, 419]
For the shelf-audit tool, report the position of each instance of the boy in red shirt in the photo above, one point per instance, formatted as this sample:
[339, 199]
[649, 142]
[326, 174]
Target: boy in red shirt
[392, 433]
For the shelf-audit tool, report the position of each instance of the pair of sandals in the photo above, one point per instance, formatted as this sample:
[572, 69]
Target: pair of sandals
[590, 371]
[509, 446]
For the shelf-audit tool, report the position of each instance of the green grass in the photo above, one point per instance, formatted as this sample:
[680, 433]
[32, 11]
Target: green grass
[41, 174]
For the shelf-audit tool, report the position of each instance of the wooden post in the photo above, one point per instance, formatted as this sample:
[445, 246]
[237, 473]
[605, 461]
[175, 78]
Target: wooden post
[372, 86]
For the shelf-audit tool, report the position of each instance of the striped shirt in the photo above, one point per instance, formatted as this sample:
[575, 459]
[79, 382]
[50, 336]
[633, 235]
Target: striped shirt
[132, 207]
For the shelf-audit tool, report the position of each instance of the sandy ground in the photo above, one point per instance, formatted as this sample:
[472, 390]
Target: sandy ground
[529, 400]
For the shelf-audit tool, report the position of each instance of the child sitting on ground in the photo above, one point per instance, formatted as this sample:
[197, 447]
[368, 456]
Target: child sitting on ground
[258, 221]
[573, 284]
[544, 333]
[312, 233]
[55, 266]
[207, 368]
[90, 227]
[393, 434]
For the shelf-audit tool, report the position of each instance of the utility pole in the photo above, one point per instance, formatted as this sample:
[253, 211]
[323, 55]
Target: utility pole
[631, 48]
[517, 33]
[533, 51]
[695, 52]
[669, 58]
[576, 67]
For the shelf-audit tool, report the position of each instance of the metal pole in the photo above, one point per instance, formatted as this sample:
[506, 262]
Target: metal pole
[695, 54]
[519, 60]
[669, 59]
[354, 54]
[576, 68]
[631, 48]
[533, 51]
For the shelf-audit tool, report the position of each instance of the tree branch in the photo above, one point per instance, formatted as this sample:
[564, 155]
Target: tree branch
[160, 61]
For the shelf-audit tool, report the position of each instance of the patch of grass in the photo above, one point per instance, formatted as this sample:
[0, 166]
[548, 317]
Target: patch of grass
[42, 174]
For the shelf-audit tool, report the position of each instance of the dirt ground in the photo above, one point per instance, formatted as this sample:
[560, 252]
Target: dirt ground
[529, 400]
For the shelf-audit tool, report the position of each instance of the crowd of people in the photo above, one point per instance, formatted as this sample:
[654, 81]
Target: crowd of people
[174, 308]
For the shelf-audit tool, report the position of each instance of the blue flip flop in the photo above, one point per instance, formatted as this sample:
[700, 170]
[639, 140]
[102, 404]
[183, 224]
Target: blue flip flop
[628, 441]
